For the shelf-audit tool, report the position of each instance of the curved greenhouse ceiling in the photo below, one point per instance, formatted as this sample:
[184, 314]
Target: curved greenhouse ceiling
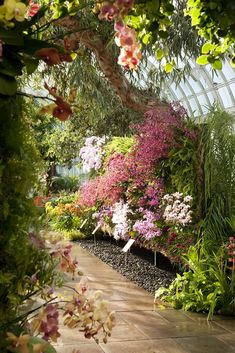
[202, 88]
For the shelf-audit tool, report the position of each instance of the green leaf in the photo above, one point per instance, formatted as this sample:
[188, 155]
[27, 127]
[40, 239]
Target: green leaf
[146, 38]
[202, 60]
[32, 45]
[213, 5]
[195, 15]
[159, 292]
[206, 48]
[163, 34]
[217, 65]
[11, 37]
[36, 340]
[5, 209]
[8, 85]
[11, 66]
[31, 64]
[135, 21]
[191, 2]
[159, 54]
[222, 33]
[152, 6]
[169, 8]
[168, 68]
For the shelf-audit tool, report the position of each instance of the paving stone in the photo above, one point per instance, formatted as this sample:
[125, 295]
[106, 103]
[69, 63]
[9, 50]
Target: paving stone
[204, 345]
[143, 327]
[150, 346]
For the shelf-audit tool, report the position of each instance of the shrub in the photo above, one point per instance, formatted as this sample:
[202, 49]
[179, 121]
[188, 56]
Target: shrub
[19, 166]
[207, 286]
[66, 183]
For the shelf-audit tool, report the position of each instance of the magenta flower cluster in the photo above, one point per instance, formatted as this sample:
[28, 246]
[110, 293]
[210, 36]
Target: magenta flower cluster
[152, 195]
[157, 135]
[107, 188]
[49, 325]
[147, 226]
[130, 199]
[103, 214]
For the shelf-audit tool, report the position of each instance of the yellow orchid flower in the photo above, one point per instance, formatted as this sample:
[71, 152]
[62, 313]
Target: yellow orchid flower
[15, 9]
[20, 342]
[39, 347]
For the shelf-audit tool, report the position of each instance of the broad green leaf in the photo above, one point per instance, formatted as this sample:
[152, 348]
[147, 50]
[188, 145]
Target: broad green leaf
[210, 296]
[195, 14]
[163, 34]
[159, 54]
[31, 64]
[11, 66]
[169, 8]
[222, 33]
[202, 60]
[146, 38]
[8, 85]
[191, 2]
[11, 37]
[213, 5]
[224, 22]
[206, 48]
[159, 292]
[217, 65]
[168, 68]
[135, 21]
[5, 209]
[152, 6]
[32, 45]
[187, 306]
[36, 340]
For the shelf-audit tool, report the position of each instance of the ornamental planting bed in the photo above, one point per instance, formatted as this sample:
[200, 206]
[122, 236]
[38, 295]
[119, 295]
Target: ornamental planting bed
[137, 267]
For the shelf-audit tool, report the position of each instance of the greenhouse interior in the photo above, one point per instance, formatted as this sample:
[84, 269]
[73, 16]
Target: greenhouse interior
[117, 176]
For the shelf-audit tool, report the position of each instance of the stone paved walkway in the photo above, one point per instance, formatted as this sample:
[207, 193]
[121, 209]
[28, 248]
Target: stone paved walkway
[141, 327]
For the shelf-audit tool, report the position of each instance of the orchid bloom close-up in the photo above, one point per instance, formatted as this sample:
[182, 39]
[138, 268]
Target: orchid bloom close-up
[12, 9]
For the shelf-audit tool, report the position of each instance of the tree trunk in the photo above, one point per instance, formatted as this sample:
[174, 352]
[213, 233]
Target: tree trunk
[50, 174]
[130, 97]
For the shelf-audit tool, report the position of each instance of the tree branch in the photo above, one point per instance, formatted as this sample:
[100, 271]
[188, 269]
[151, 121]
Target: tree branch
[130, 98]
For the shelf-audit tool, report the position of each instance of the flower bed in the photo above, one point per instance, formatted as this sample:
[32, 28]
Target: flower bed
[132, 194]
[137, 268]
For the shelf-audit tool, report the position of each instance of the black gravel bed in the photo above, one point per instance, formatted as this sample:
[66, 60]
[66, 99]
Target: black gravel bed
[138, 269]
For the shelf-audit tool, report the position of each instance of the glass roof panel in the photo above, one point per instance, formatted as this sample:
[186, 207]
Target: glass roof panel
[186, 104]
[216, 77]
[185, 88]
[204, 86]
[211, 97]
[194, 106]
[195, 84]
[200, 89]
[228, 70]
[204, 79]
[232, 87]
[225, 97]
[204, 102]
[176, 90]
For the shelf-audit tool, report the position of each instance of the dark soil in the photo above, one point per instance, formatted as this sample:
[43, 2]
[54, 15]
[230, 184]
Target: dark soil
[138, 265]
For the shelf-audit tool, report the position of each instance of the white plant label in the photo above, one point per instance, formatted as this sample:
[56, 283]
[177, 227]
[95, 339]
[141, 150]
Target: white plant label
[128, 245]
[95, 230]
[83, 223]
